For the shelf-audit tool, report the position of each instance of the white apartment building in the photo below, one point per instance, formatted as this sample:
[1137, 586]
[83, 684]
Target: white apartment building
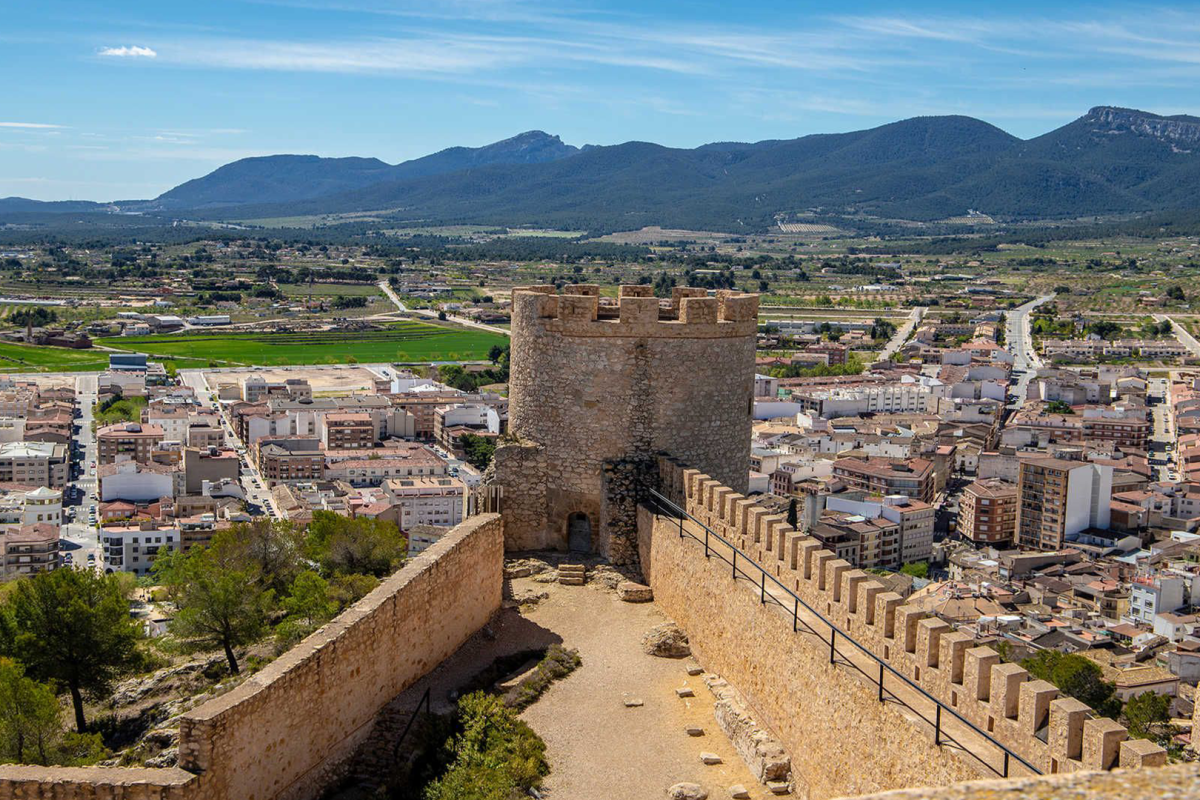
[1150, 596]
[133, 548]
[38, 506]
[428, 501]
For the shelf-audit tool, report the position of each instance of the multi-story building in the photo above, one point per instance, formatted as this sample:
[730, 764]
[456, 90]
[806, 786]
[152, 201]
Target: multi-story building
[1150, 595]
[291, 459]
[428, 501]
[210, 464]
[22, 507]
[1057, 497]
[133, 548]
[128, 440]
[346, 430]
[988, 512]
[256, 389]
[34, 463]
[29, 549]
[911, 519]
[420, 462]
[912, 477]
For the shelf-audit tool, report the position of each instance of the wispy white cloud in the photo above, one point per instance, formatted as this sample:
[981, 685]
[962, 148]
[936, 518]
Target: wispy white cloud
[130, 51]
[34, 126]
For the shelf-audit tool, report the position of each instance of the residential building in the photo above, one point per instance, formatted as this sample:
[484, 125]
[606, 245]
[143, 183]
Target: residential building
[1057, 497]
[912, 477]
[987, 513]
[29, 549]
[133, 547]
[210, 464]
[437, 501]
[34, 463]
[291, 459]
[346, 430]
[128, 440]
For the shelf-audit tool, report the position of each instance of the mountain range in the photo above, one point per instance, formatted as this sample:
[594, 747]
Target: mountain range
[1111, 161]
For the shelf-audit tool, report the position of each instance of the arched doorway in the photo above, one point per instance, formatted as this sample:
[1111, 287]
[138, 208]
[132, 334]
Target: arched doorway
[579, 533]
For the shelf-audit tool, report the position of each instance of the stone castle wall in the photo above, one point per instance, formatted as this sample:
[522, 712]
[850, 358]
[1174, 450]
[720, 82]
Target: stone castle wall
[597, 387]
[283, 733]
[841, 738]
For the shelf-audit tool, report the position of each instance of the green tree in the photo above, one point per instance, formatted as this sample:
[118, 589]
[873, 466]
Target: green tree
[494, 353]
[219, 594]
[362, 546]
[1077, 677]
[478, 450]
[30, 717]
[72, 626]
[274, 548]
[1147, 715]
[308, 606]
[917, 569]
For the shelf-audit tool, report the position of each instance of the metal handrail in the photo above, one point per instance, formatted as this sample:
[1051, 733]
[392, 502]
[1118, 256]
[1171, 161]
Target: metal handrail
[424, 701]
[940, 736]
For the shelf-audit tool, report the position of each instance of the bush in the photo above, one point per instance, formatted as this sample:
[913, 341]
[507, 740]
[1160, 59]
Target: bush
[496, 756]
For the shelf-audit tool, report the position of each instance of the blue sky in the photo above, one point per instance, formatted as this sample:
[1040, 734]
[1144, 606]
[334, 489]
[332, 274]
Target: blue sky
[121, 100]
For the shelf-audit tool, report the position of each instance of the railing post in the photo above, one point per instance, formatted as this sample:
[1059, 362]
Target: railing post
[832, 645]
[706, 541]
[796, 614]
[763, 597]
[881, 681]
[681, 526]
[937, 727]
[1006, 763]
[735, 563]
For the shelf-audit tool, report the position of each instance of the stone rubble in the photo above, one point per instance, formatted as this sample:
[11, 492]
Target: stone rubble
[666, 641]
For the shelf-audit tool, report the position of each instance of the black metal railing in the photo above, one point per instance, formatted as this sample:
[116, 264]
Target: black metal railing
[423, 703]
[740, 563]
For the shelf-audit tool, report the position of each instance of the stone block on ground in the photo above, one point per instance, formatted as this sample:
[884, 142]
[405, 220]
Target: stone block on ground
[738, 792]
[632, 592]
[694, 730]
[687, 791]
[633, 702]
[666, 641]
[779, 787]
[710, 758]
[685, 691]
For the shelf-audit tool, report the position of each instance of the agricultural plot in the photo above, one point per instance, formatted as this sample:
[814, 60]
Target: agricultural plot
[33, 358]
[405, 342]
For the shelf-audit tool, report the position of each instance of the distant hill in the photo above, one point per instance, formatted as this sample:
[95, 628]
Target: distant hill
[287, 178]
[1109, 161]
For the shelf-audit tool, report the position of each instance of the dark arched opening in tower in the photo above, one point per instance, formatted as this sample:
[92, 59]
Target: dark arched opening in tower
[579, 533]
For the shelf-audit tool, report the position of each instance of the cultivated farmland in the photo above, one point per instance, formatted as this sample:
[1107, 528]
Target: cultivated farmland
[32, 358]
[405, 342]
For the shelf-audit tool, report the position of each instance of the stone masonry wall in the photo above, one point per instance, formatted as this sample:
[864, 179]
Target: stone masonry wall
[842, 740]
[283, 733]
[597, 386]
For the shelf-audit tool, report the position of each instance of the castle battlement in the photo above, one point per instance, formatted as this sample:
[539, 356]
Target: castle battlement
[636, 312]
[1055, 733]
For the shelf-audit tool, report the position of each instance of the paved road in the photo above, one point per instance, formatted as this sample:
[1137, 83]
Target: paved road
[902, 333]
[1019, 341]
[1162, 440]
[81, 538]
[424, 312]
[258, 497]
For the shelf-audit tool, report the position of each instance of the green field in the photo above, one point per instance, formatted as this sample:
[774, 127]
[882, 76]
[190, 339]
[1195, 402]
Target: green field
[32, 358]
[405, 341]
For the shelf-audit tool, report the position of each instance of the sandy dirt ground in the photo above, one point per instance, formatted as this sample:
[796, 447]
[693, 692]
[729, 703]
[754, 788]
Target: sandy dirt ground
[325, 380]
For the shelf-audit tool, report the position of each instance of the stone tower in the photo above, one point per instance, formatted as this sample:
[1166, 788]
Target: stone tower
[597, 387]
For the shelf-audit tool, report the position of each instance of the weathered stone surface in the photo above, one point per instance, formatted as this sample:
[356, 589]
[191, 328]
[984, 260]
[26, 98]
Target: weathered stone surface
[666, 641]
[738, 792]
[625, 385]
[632, 592]
[762, 752]
[710, 758]
[779, 787]
[687, 791]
